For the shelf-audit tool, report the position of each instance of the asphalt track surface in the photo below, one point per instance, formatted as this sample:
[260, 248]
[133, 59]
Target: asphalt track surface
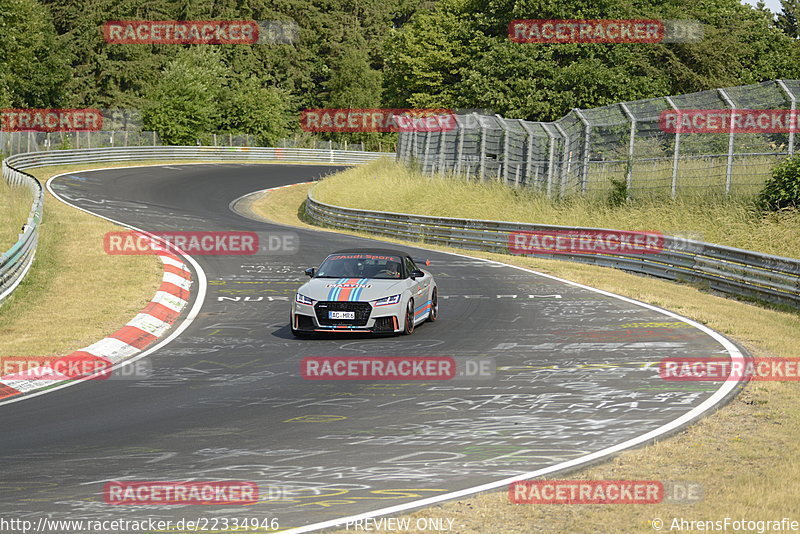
[225, 400]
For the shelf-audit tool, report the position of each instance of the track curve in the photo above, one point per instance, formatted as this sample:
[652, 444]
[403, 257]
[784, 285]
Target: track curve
[227, 402]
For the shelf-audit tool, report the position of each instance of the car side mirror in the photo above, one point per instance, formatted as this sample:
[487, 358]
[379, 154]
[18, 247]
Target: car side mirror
[417, 274]
[310, 271]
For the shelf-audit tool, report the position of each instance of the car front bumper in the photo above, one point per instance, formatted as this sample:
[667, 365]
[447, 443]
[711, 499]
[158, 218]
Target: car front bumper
[381, 319]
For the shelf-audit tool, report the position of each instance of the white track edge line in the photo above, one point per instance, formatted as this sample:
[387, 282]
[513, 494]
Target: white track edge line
[192, 315]
[695, 413]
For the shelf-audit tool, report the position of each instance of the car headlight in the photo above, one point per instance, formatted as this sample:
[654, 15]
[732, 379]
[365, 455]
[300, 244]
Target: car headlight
[302, 299]
[394, 299]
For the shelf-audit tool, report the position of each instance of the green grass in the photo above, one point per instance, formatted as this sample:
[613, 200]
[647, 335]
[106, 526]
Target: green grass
[704, 177]
[15, 204]
[387, 186]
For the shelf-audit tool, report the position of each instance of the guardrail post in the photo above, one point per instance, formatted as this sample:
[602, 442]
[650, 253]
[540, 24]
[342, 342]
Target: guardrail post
[631, 146]
[529, 156]
[551, 161]
[482, 161]
[564, 160]
[677, 152]
[459, 146]
[587, 128]
[442, 143]
[503, 175]
[729, 166]
[793, 123]
[427, 154]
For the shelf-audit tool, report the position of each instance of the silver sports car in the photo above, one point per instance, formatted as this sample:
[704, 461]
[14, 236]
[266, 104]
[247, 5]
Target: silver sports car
[365, 290]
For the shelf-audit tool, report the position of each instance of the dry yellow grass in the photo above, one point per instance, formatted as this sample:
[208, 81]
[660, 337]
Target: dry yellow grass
[15, 204]
[744, 455]
[387, 186]
[75, 294]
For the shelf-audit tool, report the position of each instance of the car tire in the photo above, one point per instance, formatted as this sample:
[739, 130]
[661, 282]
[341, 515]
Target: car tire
[434, 313]
[408, 326]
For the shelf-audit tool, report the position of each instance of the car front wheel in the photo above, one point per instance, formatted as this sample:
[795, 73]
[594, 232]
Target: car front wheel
[434, 312]
[409, 326]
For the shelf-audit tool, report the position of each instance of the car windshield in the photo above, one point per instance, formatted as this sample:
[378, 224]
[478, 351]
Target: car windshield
[360, 266]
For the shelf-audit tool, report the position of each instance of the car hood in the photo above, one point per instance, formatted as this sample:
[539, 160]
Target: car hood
[350, 289]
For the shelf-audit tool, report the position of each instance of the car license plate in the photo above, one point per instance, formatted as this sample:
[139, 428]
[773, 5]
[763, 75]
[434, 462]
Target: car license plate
[341, 315]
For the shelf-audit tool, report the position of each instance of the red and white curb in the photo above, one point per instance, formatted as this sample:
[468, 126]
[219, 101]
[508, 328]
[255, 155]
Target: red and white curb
[139, 333]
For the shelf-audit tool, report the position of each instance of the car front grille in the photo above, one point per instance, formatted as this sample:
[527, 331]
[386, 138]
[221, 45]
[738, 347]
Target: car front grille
[361, 309]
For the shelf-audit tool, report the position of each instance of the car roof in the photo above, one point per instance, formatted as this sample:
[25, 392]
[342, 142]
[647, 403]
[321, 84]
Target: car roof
[376, 251]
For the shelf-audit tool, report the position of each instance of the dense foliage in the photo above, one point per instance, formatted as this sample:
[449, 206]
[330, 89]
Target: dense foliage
[372, 53]
[782, 190]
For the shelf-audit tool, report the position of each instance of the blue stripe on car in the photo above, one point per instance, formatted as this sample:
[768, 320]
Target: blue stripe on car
[355, 295]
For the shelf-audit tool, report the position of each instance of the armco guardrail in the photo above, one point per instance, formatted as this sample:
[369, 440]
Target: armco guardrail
[194, 153]
[15, 263]
[732, 271]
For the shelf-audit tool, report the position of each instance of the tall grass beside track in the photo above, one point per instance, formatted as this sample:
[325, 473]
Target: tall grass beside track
[386, 186]
[745, 455]
[696, 176]
[75, 293]
[15, 205]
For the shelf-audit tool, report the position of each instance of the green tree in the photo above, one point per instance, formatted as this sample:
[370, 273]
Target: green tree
[786, 20]
[184, 101]
[121, 75]
[33, 67]
[248, 107]
[459, 55]
[353, 83]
